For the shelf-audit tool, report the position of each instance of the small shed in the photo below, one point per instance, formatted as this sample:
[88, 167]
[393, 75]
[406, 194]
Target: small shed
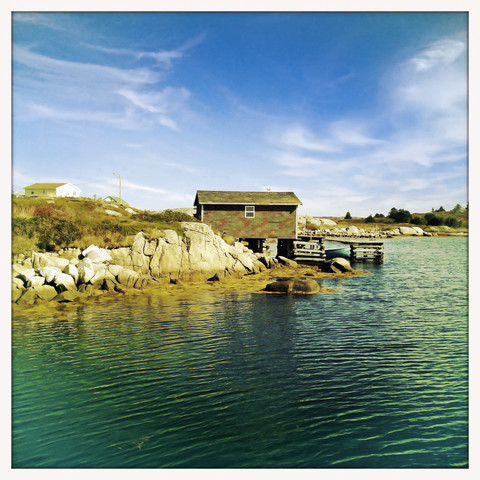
[116, 201]
[249, 215]
[52, 190]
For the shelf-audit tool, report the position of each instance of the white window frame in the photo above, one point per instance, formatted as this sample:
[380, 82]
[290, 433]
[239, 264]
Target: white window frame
[249, 211]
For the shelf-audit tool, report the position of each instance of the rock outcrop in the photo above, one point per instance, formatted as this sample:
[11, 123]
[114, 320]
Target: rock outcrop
[337, 265]
[197, 255]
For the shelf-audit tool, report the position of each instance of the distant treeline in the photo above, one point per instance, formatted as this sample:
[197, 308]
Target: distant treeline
[404, 216]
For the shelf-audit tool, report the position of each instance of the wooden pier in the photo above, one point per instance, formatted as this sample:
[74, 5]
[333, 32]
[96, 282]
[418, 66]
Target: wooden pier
[366, 252]
[311, 250]
[361, 249]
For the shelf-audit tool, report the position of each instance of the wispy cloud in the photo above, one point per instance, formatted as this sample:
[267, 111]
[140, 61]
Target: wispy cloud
[299, 137]
[79, 72]
[433, 81]
[128, 185]
[161, 102]
[122, 119]
[162, 57]
[79, 92]
[38, 19]
[421, 123]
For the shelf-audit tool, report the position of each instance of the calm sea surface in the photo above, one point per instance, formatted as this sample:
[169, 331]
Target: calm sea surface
[372, 376]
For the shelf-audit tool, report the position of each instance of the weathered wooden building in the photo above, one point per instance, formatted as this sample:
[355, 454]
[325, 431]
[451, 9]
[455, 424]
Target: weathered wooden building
[249, 216]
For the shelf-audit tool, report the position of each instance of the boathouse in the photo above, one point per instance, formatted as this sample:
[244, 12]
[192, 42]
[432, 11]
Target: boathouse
[249, 216]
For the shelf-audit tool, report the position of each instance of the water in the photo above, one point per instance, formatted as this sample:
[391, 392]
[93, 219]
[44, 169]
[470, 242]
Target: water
[372, 376]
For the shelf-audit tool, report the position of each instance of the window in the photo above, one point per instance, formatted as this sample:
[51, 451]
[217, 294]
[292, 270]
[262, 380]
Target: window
[249, 212]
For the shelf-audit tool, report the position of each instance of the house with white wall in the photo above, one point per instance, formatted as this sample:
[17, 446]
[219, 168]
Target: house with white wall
[52, 190]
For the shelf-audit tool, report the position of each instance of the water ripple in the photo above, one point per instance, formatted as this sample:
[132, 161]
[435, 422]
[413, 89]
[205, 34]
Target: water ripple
[374, 375]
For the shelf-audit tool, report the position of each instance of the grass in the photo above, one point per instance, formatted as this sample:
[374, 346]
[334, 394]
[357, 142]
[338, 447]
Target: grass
[49, 224]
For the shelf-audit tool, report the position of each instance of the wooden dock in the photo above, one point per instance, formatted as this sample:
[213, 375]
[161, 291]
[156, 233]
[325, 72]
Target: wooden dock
[311, 250]
[361, 249]
[366, 252]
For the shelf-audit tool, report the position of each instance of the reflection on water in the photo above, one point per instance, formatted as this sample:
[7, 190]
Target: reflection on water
[374, 375]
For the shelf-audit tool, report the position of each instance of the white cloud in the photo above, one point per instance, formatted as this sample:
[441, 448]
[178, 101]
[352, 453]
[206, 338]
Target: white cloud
[119, 119]
[432, 82]
[300, 137]
[38, 19]
[438, 54]
[78, 72]
[128, 185]
[163, 57]
[349, 133]
[394, 152]
[76, 92]
[161, 102]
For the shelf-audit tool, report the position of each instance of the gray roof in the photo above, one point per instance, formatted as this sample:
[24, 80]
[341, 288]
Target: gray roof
[246, 198]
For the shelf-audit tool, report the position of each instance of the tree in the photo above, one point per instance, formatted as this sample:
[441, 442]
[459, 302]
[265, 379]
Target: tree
[348, 216]
[369, 219]
[453, 222]
[441, 209]
[418, 221]
[457, 209]
[400, 216]
[433, 220]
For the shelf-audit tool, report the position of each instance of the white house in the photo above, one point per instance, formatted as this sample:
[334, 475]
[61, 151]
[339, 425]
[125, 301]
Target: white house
[52, 190]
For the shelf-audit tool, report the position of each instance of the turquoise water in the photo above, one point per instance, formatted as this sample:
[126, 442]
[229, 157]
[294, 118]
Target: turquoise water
[374, 375]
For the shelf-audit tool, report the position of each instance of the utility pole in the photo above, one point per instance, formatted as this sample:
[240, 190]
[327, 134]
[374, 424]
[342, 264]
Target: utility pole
[119, 185]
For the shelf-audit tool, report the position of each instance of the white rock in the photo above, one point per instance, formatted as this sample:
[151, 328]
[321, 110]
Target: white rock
[63, 282]
[71, 270]
[111, 212]
[408, 231]
[45, 260]
[171, 236]
[36, 281]
[85, 270]
[26, 274]
[115, 269]
[49, 273]
[18, 282]
[96, 255]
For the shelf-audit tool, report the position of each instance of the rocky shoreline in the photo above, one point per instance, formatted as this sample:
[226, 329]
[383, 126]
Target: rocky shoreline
[197, 256]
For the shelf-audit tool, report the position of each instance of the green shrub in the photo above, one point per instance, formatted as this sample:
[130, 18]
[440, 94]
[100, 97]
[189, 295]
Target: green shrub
[166, 216]
[433, 219]
[400, 216]
[418, 221]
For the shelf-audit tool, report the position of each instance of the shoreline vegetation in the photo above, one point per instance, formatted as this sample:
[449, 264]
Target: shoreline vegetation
[69, 250]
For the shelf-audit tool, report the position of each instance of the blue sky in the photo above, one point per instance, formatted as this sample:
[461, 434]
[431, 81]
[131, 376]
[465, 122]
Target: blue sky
[356, 112]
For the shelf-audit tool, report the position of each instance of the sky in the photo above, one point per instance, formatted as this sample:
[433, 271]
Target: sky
[357, 112]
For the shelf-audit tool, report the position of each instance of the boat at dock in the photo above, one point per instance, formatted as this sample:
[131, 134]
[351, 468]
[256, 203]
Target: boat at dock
[343, 251]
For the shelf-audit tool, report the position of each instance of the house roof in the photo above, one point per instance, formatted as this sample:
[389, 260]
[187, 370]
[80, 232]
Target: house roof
[46, 185]
[246, 198]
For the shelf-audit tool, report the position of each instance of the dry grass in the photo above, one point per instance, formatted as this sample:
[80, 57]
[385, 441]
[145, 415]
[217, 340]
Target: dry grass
[48, 224]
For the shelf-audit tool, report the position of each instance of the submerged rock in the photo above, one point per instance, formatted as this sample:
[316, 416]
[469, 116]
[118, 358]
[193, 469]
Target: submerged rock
[302, 286]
